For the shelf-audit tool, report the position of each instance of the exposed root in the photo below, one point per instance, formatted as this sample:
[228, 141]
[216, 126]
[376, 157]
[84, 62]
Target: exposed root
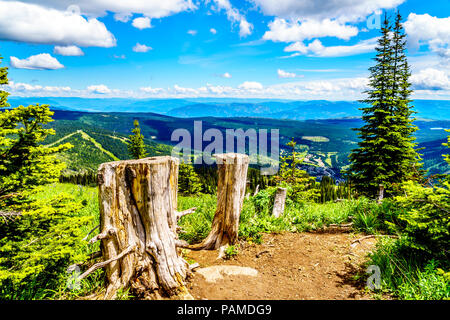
[105, 263]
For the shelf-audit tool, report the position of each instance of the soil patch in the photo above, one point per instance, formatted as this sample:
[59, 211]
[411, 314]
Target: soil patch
[291, 266]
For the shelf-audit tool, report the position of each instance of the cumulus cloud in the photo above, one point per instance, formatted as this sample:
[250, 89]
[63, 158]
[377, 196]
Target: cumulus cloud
[99, 89]
[245, 28]
[73, 51]
[141, 23]
[317, 49]
[192, 32]
[286, 31]
[285, 74]
[297, 21]
[32, 23]
[226, 75]
[141, 48]
[122, 9]
[42, 61]
[433, 31]
[342, 11]
[213, 31]
[151, 90]
[251, 86]
[430, 79]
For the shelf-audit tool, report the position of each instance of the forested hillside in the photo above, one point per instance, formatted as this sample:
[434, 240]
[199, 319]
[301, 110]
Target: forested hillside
[102, 137]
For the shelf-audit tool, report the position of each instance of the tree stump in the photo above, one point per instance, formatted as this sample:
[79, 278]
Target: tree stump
[280, 200]
[138, 222]
[230, 197]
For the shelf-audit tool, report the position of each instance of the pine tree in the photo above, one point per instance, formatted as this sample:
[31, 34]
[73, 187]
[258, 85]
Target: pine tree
[301, 185]
[405, 159]
[386, 154]
[188, 180]
[136, 146]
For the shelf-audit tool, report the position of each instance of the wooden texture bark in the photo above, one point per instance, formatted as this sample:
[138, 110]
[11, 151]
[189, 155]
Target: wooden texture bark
[231, 185]
[138, 222]
[279, 203]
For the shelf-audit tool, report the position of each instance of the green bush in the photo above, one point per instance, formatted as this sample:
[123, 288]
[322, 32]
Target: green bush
[425, 220]
[371, 217]
[408, 275]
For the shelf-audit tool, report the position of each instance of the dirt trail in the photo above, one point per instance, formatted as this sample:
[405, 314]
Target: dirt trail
[291, 266]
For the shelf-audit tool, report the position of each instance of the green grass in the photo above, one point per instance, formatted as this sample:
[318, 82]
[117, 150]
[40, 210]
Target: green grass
[403, 275]
[408, 275]
[88, 196]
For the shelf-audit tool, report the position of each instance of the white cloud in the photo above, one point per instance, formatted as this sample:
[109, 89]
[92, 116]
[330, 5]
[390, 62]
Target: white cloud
[32, 23]
[192, 32]
[245, 28]
[430, 79]
[151, 90]
[286, 31]
[141, 48]
[317, 49]
[123, 9]
[285, 74]
[226, 75]
[42, 61]
[99, 89]
[251, 86]
[142, 23]
[343, 11]
[213, 31]
[68, 51]
[425, 29]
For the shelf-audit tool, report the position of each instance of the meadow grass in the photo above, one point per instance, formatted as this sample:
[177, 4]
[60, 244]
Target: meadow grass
[402, 275]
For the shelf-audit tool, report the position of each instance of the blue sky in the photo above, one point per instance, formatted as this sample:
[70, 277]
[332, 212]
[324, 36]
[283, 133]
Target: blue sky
[311, 49]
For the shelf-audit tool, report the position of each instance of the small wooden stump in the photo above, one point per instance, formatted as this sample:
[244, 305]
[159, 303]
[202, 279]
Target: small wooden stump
[279, 203]
[138, 221]
[230, 197]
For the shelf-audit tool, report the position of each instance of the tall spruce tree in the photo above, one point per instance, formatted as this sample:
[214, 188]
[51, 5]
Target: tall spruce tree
[386, 154]
[136, 146]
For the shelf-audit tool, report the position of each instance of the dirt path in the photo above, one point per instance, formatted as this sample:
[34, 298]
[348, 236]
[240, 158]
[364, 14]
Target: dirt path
[291, 266]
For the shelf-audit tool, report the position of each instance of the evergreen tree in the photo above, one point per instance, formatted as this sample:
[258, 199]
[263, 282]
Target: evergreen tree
[24, 162]
[188, 180]
[38, 238]
[136, 146]
[386, 154]
[300, 185]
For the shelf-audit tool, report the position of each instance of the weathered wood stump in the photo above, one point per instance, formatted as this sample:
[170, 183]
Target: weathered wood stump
[138, 222]
[231, 185]
[279, 203]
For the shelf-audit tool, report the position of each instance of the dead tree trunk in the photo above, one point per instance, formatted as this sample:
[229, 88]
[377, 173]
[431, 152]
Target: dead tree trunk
[380, 194]
[138, 221]
[230, 197]
[280, 200]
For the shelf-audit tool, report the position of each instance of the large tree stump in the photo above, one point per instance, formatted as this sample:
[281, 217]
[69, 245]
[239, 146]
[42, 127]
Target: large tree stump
[138, 221]
[230, 197]
[280, 200]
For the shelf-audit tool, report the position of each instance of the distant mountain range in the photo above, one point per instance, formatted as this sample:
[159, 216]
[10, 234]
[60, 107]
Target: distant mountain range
[209, 107]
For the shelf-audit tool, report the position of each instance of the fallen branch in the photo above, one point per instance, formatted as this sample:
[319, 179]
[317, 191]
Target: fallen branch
[9, 215]
[105, 263]
[180, 214]
[346, 225]
[373, 236]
